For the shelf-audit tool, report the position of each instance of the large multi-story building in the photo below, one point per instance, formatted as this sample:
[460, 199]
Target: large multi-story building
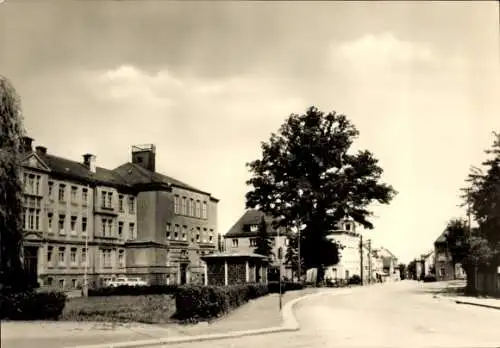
[86, 222]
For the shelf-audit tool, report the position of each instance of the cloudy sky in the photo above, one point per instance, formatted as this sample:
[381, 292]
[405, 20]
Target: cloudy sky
[207, 81]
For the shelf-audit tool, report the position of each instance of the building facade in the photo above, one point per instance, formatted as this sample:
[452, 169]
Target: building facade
[87, 223]
[444, 266]
[242, 238]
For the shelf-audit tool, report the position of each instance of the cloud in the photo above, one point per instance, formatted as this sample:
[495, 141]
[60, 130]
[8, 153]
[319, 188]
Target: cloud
[382, 50]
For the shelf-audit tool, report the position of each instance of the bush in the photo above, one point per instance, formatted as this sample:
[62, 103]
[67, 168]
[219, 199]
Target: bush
[355, 280]
[429, 279]
[125, 290]
[205, 302]
[32, 305]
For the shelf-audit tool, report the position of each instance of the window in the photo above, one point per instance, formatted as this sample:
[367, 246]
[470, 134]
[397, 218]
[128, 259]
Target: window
[49, 281]
[50, 251]
[184, 232]
[235, 243]
[204, 236]
[85, 196]
[184, 206]
[84, 224]
[61, 283]
[73, 224]
[198, 209]
[191, 207]
[131, 205]
[61, 255]
[131, 228]
[51, 189]
[84, 256]
[176, 204]
[72, 256]
[106, 257]
[49, 220]
[121, 258]
[120, 203]
[348, 226]
[103, 199]
[74, 190]
[104, 223]
[110, 200]
[168, 230]
[37, 184]
[110, 228]
[210, 238]
[62, 217]
[204, 211]
[253, 242]
[176, 231]
[120, 228]
[74, 283]
[254, 228]
[62, 188]
[32, 220]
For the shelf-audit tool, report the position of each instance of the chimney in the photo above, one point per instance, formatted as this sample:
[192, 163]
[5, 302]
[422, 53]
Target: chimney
[89, 162]
[145, 156]
[41, 150]
[27, 144]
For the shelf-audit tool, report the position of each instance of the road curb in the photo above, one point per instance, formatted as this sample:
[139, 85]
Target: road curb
[289, 324]
[477, 304]
[468, 302]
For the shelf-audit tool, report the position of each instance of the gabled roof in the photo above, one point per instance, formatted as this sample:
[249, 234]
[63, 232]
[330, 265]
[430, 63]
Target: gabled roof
[250, 217]
[135, 174]
[441, 238]
[77, 170]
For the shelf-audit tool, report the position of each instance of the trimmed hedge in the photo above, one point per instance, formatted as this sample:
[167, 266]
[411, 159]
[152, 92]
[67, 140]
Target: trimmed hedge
[355, 280]
[274, 287]
[32, 305]
[205, 302]
[125, 290]
[429, 279]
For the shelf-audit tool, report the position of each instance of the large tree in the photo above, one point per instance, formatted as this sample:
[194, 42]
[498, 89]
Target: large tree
[264, 243]
[457, 240]
[309, 176]
[483, 200]
[292, 255]
[11, 235]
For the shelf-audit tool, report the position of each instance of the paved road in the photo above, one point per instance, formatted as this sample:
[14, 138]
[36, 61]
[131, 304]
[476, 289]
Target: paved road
[403, 314]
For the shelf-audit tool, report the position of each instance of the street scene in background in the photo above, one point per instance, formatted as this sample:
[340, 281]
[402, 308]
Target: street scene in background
[237, 174]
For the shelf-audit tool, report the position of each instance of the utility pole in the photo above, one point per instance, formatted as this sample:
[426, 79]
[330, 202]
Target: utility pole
[369, 261]
[279, 265]
[298, 252]
[361, 254]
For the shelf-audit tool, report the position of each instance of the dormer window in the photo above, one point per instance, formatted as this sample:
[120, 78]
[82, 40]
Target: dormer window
[254, 228]
[348, 226]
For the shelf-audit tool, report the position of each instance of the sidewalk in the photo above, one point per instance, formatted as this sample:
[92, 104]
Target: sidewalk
[257, 314]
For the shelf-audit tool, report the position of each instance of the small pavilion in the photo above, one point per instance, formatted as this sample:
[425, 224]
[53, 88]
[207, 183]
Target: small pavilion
[231, 268]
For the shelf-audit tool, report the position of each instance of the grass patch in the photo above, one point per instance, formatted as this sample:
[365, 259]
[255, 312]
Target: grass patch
[151, 309]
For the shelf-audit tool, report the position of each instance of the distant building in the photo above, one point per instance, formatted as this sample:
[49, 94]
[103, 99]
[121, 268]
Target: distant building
[445, 270]
[81, 219]
[350, 256]
[242, 238]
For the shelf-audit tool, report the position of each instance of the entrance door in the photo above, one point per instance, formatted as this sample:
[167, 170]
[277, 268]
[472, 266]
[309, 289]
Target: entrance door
[31, 264]
[183, 267]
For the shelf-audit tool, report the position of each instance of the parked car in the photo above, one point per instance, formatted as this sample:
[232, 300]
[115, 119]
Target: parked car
[125, 281]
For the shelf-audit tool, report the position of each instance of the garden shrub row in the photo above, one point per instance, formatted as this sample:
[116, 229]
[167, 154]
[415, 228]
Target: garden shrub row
[198, 302]
[31, 305]
[125, 290]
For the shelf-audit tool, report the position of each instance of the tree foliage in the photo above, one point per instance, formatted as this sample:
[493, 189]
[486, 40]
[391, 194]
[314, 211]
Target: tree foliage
[482, 197]
[264, 243]
[412, 269]
[292, 254]
[457, 240]
[308, 175]
[402, 271]
[11, 132]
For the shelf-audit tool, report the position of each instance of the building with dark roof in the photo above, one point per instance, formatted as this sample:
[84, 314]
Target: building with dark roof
[82, 221]
[444, 267]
